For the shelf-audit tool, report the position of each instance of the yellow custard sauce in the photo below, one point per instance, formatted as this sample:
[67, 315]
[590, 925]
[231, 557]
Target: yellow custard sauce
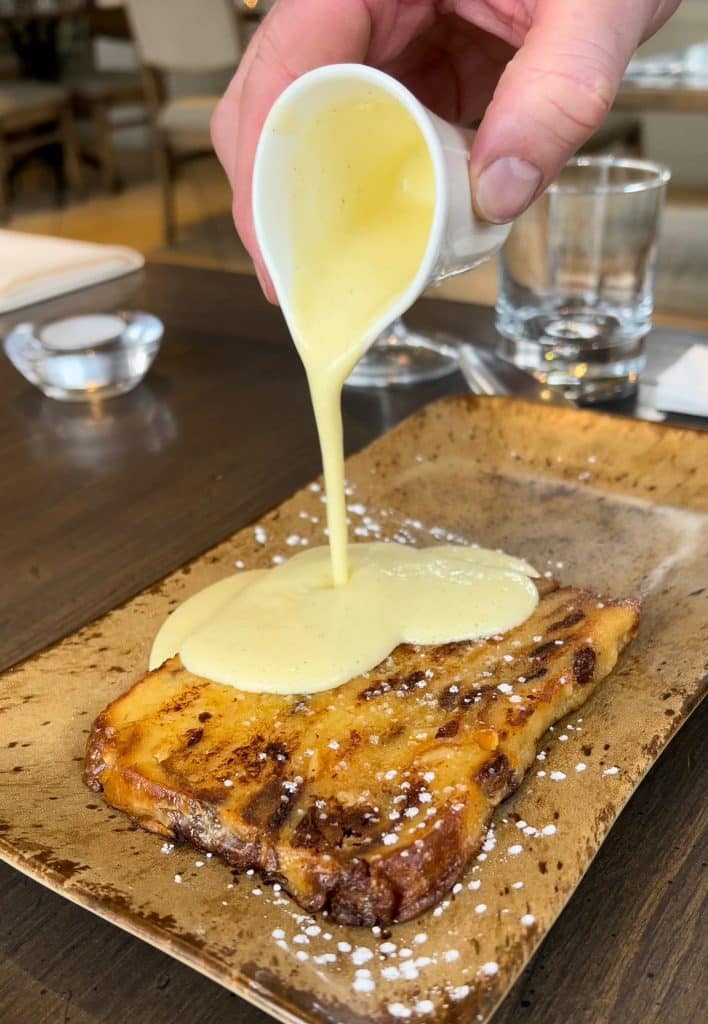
[289, 630]
[362, 203]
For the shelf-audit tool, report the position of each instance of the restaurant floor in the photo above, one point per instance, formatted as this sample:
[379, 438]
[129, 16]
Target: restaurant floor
[207, 238]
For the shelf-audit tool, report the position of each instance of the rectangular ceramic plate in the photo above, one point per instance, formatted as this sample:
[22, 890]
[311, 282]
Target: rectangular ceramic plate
[615, 505]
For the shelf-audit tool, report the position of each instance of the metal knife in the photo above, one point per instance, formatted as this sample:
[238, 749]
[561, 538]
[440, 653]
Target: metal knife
[487, 373]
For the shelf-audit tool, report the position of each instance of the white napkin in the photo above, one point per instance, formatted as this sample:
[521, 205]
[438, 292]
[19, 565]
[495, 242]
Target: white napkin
[38, 267]
[683, 387]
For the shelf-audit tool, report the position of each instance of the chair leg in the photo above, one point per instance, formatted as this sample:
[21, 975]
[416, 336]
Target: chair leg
[4, 182]
[70, 146]
[110, 179]
[164, 165]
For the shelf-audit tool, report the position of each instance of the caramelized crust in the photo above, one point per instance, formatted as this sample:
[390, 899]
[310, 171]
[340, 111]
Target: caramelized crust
[368, 800]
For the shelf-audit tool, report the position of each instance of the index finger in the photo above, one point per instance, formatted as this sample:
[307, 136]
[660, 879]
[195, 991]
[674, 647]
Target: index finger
[297, 36]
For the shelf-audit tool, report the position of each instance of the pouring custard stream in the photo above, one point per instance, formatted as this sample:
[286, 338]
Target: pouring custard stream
[362, 201]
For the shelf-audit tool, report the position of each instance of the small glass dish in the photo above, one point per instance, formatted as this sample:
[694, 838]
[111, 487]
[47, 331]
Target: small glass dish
[84, 358]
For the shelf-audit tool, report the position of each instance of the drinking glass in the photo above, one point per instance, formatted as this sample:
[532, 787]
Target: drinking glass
[577, 277]
[402, 356]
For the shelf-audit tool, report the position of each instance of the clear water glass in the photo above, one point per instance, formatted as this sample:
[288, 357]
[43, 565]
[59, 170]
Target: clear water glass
[577, 277]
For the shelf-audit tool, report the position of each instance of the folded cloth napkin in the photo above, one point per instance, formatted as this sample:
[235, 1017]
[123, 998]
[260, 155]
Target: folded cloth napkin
[683, 387]
[38, 267]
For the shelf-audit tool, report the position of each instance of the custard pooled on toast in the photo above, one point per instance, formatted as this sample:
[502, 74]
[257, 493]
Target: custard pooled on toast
[367, 800]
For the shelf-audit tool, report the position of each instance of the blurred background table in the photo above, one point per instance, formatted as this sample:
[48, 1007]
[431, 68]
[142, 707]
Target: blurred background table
[668, 82]
[129, 489]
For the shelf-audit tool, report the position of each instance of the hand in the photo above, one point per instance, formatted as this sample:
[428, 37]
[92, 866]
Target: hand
[541, 74]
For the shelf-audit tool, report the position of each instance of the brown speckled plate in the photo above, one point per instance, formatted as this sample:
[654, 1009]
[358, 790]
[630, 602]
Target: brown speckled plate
[615, 505]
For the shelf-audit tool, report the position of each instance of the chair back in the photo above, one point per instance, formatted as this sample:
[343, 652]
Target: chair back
[185, 35]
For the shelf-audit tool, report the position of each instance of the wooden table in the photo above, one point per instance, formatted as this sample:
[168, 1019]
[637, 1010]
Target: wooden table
[668, 82]
[96, 504]
[675, 98]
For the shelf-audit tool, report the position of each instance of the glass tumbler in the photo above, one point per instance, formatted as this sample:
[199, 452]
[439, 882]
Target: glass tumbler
[577, 277]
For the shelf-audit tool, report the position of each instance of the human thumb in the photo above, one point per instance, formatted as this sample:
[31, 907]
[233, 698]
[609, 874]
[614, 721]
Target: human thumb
[551, 97]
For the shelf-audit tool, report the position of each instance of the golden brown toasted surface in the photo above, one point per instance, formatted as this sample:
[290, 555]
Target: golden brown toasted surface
[368, 800]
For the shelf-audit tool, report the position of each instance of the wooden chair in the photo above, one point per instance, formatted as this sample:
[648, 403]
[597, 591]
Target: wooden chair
[192, 38]
[34, 115]
[9, 67]
[97, 94]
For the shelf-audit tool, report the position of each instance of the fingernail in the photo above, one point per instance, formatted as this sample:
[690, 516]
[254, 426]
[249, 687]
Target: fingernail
[505, 188]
